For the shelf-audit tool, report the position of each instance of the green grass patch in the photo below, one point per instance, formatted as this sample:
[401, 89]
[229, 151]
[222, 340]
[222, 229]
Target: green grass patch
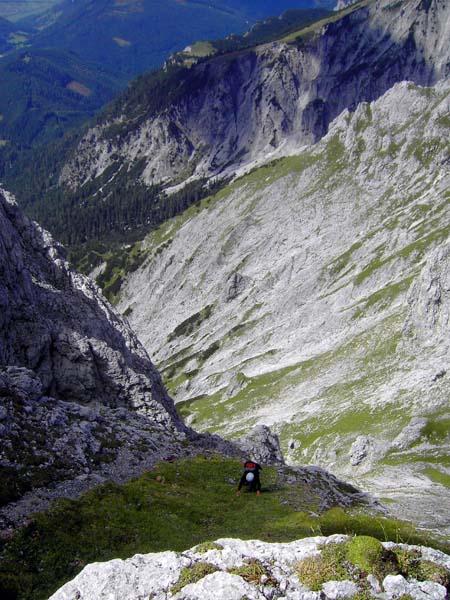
[340, 263]
[391, 151]
[192, 323]
[337, 520]
[336, 423]
[207, 546]
[424, 151]
[437, 431]
[192, 575]
[384, 297]
[433, 456]
[444, 120]
[364, 554]
[175, 374]
[252, 571]
[201, 49]
[437, 476]
[376, 263]
[176, 506]
[266, 175]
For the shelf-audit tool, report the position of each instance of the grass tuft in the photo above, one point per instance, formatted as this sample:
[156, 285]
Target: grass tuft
[193, 574]
[253, 572]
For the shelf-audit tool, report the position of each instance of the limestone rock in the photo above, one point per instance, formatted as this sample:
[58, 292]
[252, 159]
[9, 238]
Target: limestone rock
[261, 445]
[429, 302]
[410, 434]
[154, 575]
[396, 586]
[236, 284]
[334, 590]
[359, 450]
[220, 585]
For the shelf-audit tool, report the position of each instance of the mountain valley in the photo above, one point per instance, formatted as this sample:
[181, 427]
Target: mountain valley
[65, 63]
[292, 297]
[267, 218]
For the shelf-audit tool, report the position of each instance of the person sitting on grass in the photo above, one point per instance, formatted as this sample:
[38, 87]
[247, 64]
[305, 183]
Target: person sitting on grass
[250, 477]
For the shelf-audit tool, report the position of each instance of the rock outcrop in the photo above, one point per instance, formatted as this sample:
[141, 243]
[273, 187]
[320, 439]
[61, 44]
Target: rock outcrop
[261, 445]
[57, 323]
[250, 105]
[236, 569]
[53, 448]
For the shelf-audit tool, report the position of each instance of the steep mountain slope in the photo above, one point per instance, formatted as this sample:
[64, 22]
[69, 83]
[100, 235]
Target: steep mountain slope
[311, 295]
[242, 107]
[57, 323]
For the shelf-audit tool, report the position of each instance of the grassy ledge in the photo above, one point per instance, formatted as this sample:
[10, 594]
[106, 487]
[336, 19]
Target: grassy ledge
[174, 507]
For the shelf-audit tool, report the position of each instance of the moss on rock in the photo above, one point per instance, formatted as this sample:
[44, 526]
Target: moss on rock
[368, 554]
[206, 546]
[193, 574]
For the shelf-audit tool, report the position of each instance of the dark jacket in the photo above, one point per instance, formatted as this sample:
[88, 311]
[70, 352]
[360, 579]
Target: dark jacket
[251, 467]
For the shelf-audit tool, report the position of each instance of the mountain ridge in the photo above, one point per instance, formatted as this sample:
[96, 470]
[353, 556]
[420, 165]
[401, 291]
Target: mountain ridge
[298, 100]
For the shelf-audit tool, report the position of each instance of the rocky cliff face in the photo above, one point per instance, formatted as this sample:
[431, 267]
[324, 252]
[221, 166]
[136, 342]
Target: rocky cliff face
[250, 105]
[57, 323]
[311, 295]
[53, 448]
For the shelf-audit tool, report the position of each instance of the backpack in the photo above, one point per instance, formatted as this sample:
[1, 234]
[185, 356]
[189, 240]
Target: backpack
[250, 466]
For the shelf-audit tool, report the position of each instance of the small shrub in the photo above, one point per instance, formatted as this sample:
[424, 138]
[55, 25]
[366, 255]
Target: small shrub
[334, 520]
[193, 574]
[407, 561]
[431, 571]
[335, 555]
[411, 565]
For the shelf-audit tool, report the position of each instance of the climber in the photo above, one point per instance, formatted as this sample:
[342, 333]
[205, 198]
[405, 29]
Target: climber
[250, 477]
